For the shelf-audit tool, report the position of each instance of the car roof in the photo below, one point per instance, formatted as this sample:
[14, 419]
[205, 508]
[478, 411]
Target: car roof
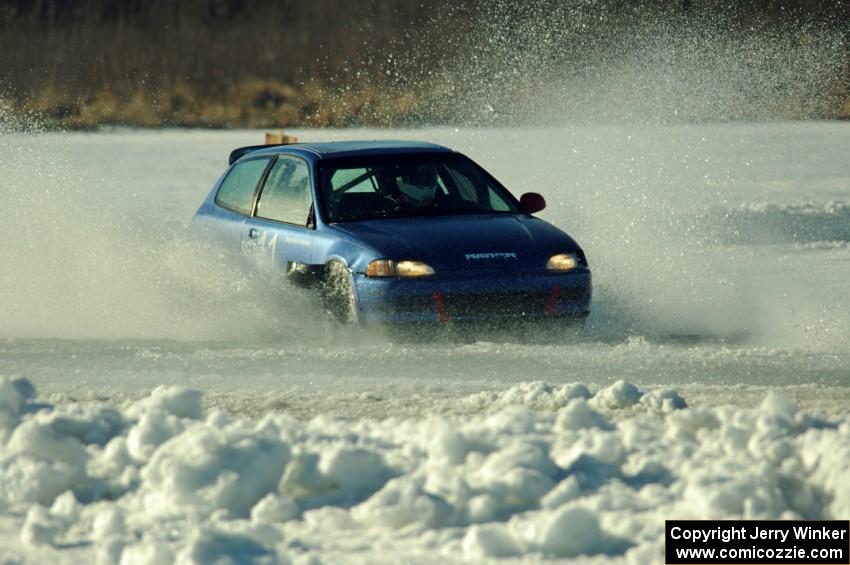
[340, 149]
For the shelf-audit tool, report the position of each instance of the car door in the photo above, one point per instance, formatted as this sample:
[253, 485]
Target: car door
[224, 221]
[277, 236]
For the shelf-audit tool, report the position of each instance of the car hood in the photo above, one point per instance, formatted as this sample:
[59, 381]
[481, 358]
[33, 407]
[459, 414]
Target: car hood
[468, 242]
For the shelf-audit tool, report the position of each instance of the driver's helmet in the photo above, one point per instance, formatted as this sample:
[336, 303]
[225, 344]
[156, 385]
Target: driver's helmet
[418, 183]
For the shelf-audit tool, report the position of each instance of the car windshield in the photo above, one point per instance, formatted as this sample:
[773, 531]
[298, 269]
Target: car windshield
[403, 186]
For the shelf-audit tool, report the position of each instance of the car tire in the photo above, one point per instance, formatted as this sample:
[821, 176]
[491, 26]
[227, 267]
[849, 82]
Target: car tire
[338, 294]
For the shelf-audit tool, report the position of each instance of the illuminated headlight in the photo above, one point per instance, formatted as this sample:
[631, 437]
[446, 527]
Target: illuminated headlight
[562, 262]
[413, 269]
[404, 269]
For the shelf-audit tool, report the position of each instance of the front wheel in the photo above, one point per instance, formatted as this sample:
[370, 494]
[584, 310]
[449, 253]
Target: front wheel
[338, 294]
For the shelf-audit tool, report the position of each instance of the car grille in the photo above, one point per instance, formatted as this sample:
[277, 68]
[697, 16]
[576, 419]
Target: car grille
[493, 305]
[510, 304]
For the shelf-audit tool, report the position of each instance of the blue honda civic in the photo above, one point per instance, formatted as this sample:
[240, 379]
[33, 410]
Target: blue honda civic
[396, 232]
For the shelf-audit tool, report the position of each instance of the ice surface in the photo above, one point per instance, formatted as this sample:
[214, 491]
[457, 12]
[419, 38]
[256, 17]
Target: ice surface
[688, 229]
[589, 482]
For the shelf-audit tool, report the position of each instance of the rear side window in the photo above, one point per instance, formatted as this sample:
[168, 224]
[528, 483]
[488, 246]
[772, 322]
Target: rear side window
[286, 194]
[237, 190]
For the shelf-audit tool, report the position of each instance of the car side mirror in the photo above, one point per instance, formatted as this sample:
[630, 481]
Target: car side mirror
[531, 202]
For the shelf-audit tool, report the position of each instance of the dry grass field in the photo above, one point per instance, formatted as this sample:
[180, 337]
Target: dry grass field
[247, 63]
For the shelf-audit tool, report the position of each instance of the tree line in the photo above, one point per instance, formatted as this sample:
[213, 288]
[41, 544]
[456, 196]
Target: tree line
[385, 62]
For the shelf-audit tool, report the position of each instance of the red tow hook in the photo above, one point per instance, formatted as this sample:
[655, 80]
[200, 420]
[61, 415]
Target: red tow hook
[442, 316]
[553, 300]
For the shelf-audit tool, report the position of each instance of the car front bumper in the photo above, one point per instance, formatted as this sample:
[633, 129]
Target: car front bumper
[473, 299]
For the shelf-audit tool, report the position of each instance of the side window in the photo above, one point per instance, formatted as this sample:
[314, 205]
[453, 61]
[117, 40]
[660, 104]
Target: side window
[237, 190]
[473, 188]
[466, 190]
[286, 194]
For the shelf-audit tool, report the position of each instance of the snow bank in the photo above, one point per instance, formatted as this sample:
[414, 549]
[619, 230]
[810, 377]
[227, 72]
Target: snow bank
[542, 472]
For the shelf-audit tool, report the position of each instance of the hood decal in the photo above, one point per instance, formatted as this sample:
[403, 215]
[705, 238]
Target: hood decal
[494, 255]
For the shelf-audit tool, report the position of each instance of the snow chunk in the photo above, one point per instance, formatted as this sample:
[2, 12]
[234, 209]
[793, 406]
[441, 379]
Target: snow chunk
[153, 429]
[516, 476]
[536, 395]
[275, 508]
[211, 469]
[597, 454]
[516, 454]
[89, 424]
[513, 420]
[146, 554]
[14, 395]
[481, 508]
[665, 400]
[226, 548]
[25, 480]
[175, 400]
[43, 526]
[566, 491]
[685, 425]
[302, 478]
[354, 469]
[489, 540]
[109, 550]
[777, 404]
[39, 463]
[40, 528]
[66, 508]
[619, 395]
[107, 523]
[578, 415]
[753, 492]
[571, 531]
[40, 439]
[401, 502]
[450, 445]
[541, 395]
